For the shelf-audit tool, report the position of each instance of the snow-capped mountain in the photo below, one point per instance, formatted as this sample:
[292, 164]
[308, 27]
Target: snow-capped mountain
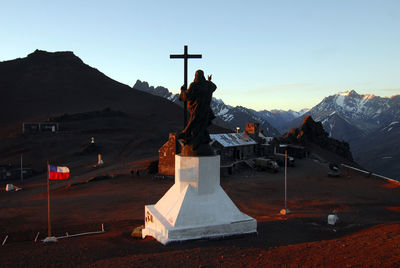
[227, 116]
[366, 112]
[361, 120]
[279, 118]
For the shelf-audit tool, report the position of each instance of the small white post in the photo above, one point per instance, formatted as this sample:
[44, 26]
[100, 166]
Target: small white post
[37, 235]
[4, 241]
[99, 160]
[102, 227]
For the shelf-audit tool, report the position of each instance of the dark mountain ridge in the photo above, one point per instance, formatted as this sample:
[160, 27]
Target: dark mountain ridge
[46, 84]
[311, 132]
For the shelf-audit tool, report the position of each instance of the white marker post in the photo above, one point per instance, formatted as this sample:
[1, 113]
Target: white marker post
[48, 203]
[285, 211]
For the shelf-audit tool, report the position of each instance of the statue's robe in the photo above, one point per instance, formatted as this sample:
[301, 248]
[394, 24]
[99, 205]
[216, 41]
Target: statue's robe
[198, 97]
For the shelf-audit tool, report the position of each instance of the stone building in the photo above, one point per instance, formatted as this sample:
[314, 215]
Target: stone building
[166, 156]
[39, 127]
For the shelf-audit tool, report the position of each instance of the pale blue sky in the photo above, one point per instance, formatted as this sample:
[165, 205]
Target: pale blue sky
[262, 54]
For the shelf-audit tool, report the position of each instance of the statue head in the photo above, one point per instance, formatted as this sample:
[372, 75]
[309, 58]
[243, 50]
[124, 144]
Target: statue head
[199, 76]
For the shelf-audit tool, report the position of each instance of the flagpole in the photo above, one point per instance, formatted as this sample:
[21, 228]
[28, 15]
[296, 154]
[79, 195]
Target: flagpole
[285, 211]
[48, 203]
[285, 180]
[22, 175]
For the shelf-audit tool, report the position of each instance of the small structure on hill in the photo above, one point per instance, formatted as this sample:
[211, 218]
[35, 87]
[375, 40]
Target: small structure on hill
[263, 147]
[4, 172]
[294, 150]
[39, 127]
[9, 172]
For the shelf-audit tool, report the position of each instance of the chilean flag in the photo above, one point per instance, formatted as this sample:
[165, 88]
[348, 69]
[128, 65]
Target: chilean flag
[58, 173]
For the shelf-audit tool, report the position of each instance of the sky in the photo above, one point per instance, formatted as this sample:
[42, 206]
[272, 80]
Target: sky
[262, 54]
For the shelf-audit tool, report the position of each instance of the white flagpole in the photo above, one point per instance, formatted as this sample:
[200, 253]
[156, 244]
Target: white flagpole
[48, 203]
[285, 211]
[285, 180]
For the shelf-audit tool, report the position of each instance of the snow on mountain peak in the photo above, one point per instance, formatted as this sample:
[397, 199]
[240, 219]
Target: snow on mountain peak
[368, 96]
[347, 93]
[303, 111]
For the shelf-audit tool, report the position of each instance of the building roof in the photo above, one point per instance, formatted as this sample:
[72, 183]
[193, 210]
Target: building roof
[233, 139]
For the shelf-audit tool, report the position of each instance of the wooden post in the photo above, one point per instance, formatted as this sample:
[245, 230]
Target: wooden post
[48, 202]
[22, 175]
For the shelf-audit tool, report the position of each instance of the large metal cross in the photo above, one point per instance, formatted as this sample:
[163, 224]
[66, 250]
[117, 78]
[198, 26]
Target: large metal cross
[185, 56]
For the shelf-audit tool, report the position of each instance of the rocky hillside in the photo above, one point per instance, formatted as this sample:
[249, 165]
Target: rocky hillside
[311, 132]
[379, 151]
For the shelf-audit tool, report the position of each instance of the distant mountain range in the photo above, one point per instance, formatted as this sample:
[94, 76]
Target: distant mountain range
[364, 112]
[370, 124]
[229, 116]
[45, 84]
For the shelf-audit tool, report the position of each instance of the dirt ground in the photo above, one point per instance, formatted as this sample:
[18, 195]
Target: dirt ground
[368, 234]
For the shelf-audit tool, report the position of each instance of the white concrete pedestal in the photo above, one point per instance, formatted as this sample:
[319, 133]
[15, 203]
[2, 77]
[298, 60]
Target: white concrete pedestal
[195, 206]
